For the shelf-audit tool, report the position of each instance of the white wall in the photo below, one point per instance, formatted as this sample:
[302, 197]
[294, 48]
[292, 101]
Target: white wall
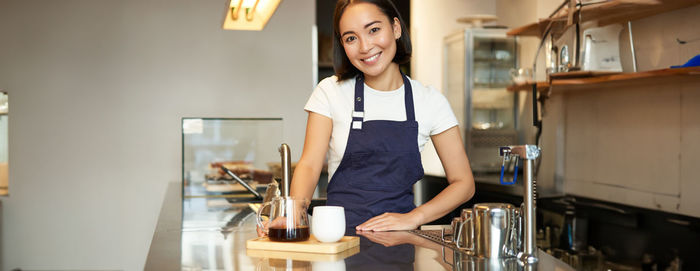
[97, 91]
[431, 21]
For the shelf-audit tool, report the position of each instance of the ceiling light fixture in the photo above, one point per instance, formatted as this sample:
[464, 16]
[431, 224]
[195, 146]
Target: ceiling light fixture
[249, 14]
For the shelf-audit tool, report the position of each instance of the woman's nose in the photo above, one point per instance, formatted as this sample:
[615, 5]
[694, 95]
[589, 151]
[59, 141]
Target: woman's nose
[365, 45]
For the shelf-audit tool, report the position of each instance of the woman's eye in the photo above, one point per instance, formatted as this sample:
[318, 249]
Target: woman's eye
[374, 29]
[349, 39]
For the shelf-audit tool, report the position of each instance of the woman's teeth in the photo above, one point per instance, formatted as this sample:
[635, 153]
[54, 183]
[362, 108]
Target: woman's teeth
[371, 59]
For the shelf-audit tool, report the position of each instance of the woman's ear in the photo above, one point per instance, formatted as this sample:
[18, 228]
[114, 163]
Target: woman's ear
[397, 28]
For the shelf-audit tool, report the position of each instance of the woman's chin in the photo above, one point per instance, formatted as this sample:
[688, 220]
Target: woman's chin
[372, 71]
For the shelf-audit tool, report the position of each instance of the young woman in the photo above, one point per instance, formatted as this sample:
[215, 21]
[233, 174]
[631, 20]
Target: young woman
[373, 120]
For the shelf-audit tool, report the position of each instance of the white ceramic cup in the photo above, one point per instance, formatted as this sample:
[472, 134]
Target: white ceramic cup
[328, 223]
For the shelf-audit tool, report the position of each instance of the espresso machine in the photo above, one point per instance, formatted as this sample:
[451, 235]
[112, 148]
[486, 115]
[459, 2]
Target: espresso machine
[499, 236]
[528, 153]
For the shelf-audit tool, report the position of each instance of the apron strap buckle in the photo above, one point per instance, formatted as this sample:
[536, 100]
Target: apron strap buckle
[357, 118]
[357, 124]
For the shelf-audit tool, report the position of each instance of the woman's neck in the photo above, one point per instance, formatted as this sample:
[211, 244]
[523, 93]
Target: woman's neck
[388, 80]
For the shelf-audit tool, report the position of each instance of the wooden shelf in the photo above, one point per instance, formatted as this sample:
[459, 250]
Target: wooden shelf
[608, 12]
[579, 74]
[647, 77]
[585, 81]
[537, 29]
[541, 86]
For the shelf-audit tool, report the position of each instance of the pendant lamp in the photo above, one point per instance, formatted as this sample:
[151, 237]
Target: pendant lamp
[249, 14]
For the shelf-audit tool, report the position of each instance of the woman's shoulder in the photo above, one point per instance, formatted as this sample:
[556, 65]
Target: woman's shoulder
[424, 91]
[335, 91]
[331, 83]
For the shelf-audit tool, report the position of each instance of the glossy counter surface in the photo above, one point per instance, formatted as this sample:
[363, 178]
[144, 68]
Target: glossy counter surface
[211, 234]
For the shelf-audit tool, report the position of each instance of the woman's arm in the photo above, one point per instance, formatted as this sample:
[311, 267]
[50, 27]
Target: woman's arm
[308, 169]
[450, 149]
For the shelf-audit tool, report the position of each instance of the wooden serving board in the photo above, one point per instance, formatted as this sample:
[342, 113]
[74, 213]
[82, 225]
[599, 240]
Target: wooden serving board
[312, 245]
[302, 256]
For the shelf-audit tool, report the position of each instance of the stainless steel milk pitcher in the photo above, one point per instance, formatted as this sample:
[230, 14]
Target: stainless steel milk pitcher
[492, 229]
[464, 233]
[489, 230]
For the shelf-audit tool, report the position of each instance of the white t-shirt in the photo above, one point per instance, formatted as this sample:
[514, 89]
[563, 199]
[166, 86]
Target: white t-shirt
[334, 99]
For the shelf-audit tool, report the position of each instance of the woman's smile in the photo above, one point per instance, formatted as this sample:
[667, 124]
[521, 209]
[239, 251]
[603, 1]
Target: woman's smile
[372, 59]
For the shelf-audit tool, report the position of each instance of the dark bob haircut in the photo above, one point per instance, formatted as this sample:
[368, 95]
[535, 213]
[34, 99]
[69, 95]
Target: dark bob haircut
[341, 64]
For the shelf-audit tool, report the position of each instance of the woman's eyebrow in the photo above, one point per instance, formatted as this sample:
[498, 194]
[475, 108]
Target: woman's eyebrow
[366, 26]
[371, 23]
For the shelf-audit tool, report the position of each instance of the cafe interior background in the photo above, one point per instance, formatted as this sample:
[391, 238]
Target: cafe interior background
[99, 88]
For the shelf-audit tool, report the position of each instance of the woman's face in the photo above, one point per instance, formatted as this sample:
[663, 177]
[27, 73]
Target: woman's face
[369, 38]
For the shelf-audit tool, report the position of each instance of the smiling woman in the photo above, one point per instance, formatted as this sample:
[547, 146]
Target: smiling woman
[370, 120]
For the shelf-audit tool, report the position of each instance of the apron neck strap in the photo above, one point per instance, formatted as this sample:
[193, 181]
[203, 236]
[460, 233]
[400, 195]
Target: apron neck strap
[408, 98]
[358, 113]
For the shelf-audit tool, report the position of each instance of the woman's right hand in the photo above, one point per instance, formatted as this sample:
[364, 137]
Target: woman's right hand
[279, 222]
[261, 232]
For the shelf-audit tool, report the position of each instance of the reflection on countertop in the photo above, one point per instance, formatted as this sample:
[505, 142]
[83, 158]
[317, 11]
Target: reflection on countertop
[211, 234]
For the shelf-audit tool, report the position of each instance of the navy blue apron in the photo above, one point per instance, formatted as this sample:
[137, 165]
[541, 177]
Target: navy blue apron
[380, 164]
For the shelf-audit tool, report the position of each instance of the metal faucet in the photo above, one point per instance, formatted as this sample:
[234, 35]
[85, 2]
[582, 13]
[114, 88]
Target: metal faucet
[286, 154]
[528, 153]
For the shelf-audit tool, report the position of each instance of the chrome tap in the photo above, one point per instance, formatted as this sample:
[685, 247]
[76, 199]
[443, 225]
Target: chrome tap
[286, 154]
[528, 153]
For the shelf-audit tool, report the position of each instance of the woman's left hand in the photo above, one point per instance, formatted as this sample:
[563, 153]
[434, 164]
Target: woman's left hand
[390, 222]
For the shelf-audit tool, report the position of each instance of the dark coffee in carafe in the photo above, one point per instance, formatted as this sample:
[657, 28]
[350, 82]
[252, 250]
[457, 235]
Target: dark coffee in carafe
[289, 235]
[288, 220]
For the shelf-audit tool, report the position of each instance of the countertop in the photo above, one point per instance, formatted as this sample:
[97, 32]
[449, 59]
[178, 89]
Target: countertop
[211, 233]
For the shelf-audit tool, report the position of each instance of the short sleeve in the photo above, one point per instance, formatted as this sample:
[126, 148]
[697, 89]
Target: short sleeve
[319, 102]
[443, 118]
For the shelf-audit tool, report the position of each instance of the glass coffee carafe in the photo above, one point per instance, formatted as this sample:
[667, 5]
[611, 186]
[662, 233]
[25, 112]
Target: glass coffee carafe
[288, 220]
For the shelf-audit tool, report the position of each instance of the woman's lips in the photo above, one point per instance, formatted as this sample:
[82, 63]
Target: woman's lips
[371, 60]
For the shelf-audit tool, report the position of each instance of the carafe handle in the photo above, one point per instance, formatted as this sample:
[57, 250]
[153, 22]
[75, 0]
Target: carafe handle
[258, 218]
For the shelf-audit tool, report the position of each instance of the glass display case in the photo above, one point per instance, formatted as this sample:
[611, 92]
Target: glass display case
[477, 71]
[247, 147]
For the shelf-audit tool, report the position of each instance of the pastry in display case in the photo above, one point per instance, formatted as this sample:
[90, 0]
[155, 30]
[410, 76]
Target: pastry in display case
[242, 169]
[244, 146]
